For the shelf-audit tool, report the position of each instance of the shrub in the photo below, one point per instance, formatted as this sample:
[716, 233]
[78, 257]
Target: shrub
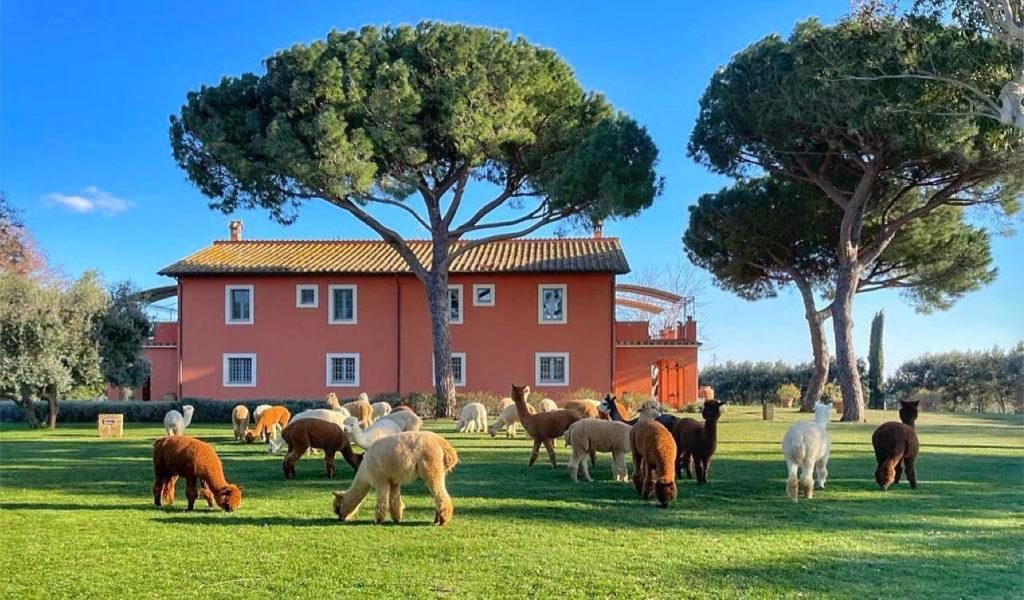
[392, 398]
[581, 394]
[489, 400]
[423, 404]
[834, 393]
[631, 400]
[787, 394]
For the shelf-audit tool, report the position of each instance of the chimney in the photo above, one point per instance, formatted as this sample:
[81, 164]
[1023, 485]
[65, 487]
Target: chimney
[235, 229]
[598, 230]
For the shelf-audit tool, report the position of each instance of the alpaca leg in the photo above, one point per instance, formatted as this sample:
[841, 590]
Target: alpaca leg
[159, 485]
[638, 472]
[383, 502]
[701, 468]
[898, 471]
[535, 453]
[191, 493]
[289, 461]
[574, 465]
[648, 483]
[910, 463]
[584, 465]
[434, 480]
[885, 474]
[807, 478]
[792, 489]
[821, 472]
[204, 489]
[593, 460]
[396, 505]
[549, 445]
[169, 489]
[619, 466]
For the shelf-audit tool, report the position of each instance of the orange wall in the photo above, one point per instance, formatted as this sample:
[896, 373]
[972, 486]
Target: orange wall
[633, 370]
[291, 343]
[163, 378]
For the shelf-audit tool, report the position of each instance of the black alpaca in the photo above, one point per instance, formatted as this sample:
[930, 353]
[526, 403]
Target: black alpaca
[697, 442]
[896, 448]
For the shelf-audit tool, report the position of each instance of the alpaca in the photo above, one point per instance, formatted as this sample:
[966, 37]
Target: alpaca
[544, 428]
[198, 463]
[332, 401]
[361, 410]
[509, 417]
[697, 442]
[807, 446]
[323, 414]
[256, 412]
[406, 419]
[368, 437]
[896, 448]
[239, 421]
[645, 411]
[472, 419]
[401, 408]
[506, 401]
[275, 443]
[175, 423]
[546, 405]
[264, 422]
[379, 409]
[304, 434]
[598, 435]
[586, 408]
[654, 457]
[605, 407]
[395, 460]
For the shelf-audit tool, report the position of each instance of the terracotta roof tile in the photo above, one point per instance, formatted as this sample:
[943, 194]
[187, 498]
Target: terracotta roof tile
[596, 255]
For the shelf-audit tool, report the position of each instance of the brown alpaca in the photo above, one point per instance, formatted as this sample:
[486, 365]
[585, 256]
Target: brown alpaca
[654, 458]
[239, 421]
[361, 410]
[623, 412]
[586, 409]
[896, 448]
[544, 428]
[398, 459]
[698, 441]
[400, 408]
[304, 434]
[196, 461]
[265, 422]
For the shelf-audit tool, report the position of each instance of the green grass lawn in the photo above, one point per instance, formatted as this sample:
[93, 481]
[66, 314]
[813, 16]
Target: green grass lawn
[77, 520]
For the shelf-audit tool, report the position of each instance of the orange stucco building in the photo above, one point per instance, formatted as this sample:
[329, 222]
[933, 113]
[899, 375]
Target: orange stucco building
[289, 319]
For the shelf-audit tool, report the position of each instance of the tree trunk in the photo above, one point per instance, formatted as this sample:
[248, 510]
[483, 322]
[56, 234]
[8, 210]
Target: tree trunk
[819, 346]
[437, 301]
[52, 409]
[846, 356]
[29, 409]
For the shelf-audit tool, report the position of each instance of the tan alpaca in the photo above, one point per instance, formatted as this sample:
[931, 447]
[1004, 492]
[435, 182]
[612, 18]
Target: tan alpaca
[586, 408]
[239, 421]
[398, 459]
[544, 428]
[361, 410]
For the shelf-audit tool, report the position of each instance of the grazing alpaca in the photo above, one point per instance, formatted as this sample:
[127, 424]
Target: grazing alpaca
[239, 421]
[323, 414]
[472, 419]
[896, 448]
[175, 423]
[266, 420]
[807, 446]
[275, 443]
[361, 410]
[256, 412]
[546, 405]
[303, 434]
[586, 408]
[544, 428]
[588, 436]
[198, 463]
[396, 460]
[379, 409]
[372, 434]
[646, 411]
[509, 417]
[654, 457]
[406, 419]
[697, 442]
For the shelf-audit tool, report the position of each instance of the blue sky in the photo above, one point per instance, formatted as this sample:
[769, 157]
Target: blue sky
[86, 90]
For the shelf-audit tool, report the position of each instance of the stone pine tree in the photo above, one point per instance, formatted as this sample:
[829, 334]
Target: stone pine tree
[876, 363]
[425, 120]
[765, 234]
[882, 151]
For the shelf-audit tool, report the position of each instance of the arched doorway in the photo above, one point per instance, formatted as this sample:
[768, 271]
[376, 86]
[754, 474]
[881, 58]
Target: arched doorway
[668, 381]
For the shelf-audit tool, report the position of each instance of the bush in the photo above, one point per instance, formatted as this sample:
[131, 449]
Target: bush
[82, 411]
[392, 398]
[787, 394]
[423, 404]
[834, 393]
[632, 400]
[581, 394]
[489, 400]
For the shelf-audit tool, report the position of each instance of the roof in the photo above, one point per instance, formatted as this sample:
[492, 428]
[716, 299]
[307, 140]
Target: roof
[528, 255]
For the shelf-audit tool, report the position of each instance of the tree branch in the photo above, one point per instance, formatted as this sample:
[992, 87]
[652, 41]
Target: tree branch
[401, 205]
[460, 189]
[390, 236]
[470, 244]
[483, 211]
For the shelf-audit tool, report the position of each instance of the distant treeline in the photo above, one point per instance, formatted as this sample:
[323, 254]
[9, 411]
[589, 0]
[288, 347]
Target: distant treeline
[756, 382]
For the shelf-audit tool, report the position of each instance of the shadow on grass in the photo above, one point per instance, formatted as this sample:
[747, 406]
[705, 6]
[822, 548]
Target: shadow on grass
[237, 520]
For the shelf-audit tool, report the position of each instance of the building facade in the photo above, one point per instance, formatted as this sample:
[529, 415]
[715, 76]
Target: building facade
[288, 319]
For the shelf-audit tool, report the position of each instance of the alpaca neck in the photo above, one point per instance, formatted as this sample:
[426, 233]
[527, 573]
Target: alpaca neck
[355, 495]
[214, 477]
[523, 411]
[188, 419]
[821, 419]
[359, 436]
[613, 412]
[711, 433]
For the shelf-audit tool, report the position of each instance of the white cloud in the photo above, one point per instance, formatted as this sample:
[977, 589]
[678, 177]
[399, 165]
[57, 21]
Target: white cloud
[91, 200]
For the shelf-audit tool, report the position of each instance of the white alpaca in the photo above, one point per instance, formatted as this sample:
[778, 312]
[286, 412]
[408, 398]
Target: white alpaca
[276, 443]
[380, 409]
[806, 448]
[259, 409]
[547, 405]
[406, 419]
[366, 438]
[473, 418]
[598, 435]
[324, 414]
[175, 423]
[509, 417]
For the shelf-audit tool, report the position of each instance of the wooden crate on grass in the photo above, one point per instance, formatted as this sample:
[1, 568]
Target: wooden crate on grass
[111, 425]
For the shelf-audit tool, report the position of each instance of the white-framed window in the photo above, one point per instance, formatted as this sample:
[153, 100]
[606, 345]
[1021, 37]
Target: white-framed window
[483, 294]
[552, 369]
[552, 303]
[455, 304]
[342, 370]
[344, 304]
[239, 370]
[307, 295]
[458, 369]
[238, 304]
